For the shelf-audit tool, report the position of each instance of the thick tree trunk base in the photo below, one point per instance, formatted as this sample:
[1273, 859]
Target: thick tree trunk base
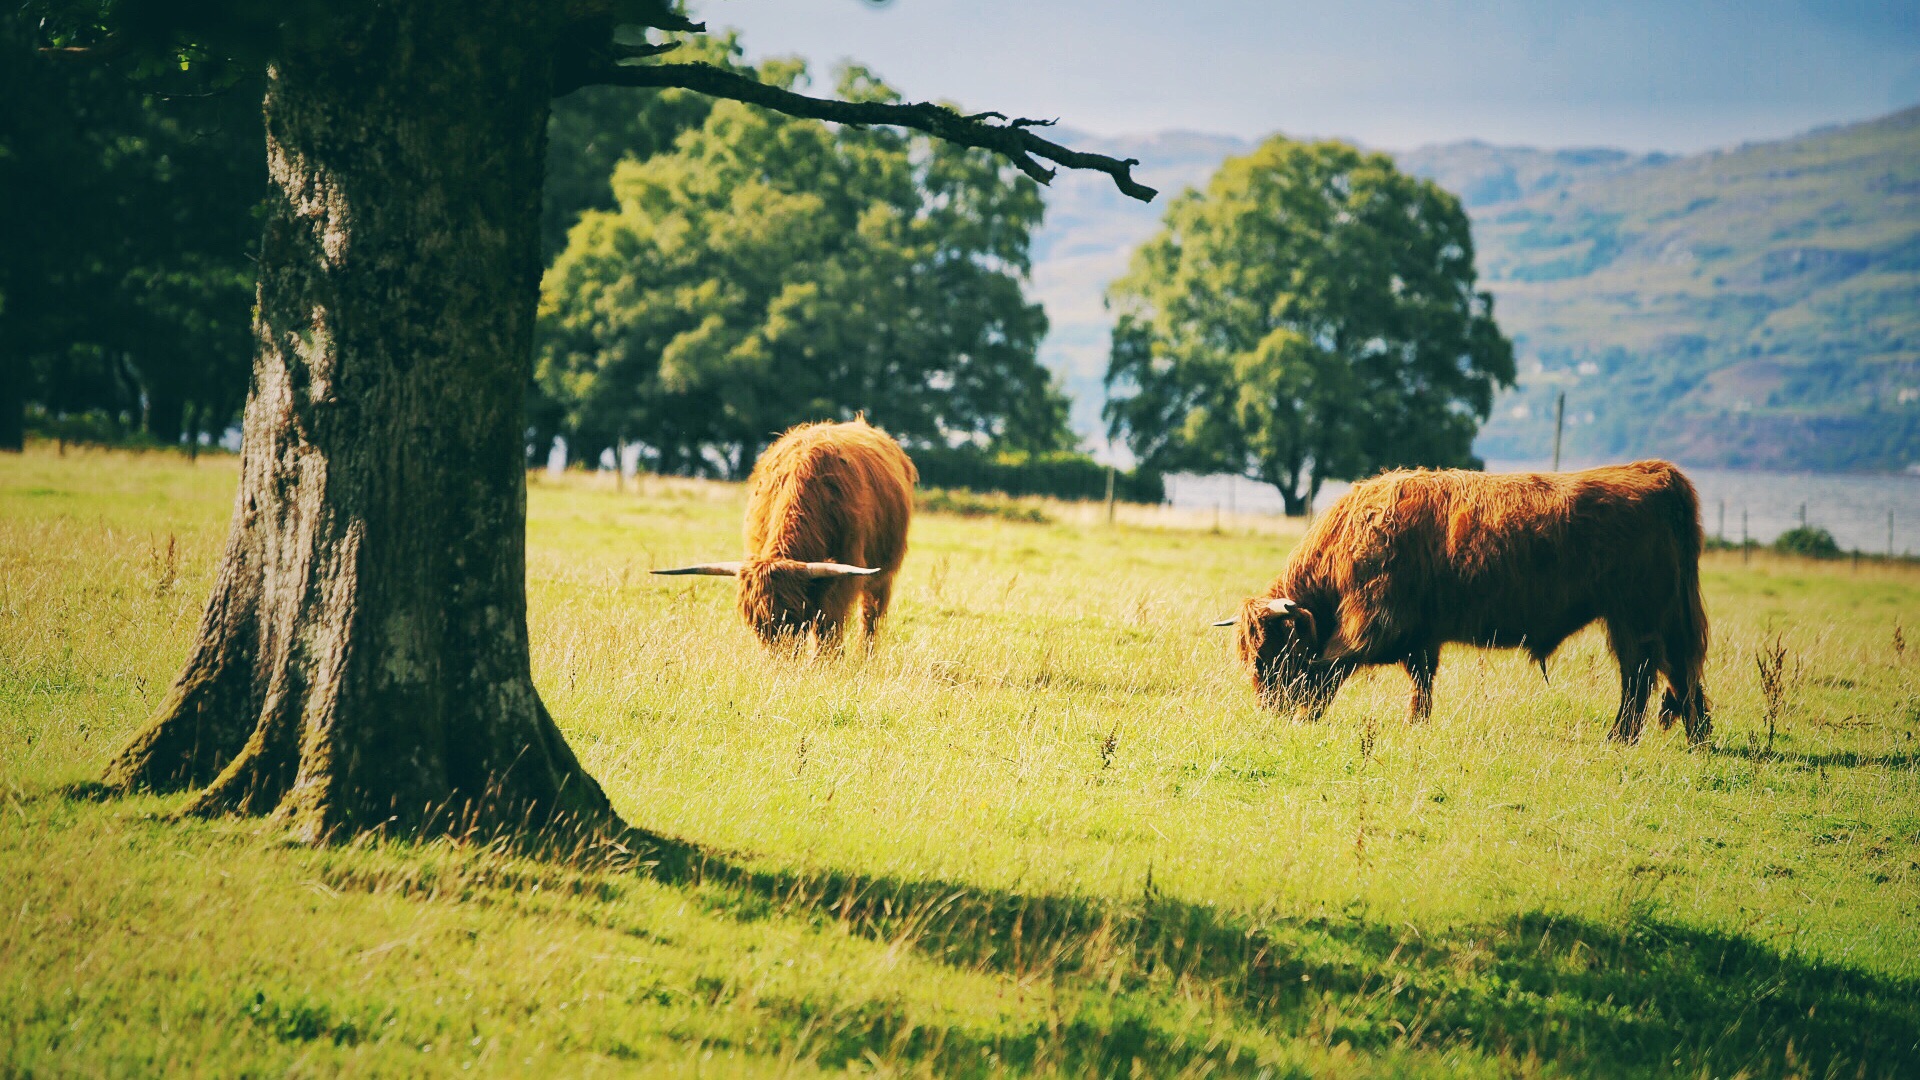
[363, 662]
[282, 771]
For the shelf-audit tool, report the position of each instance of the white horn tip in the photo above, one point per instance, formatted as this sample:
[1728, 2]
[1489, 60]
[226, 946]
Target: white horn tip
[1281, 606]
[835, 569]
[726, 569]
[1226, 622]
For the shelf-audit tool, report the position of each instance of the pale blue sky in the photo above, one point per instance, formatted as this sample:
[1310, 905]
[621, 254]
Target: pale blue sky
[1644, 74]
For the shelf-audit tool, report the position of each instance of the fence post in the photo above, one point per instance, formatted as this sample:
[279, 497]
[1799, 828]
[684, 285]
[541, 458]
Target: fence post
[1746, 544]
[1559, 422]
[1109, 493]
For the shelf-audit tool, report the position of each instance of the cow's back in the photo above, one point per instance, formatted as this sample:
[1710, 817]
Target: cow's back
[1515, 559]
[831, 492]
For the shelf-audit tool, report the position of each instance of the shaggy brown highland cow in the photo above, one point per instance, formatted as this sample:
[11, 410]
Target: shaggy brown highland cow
[1411, 560]
[827, 513]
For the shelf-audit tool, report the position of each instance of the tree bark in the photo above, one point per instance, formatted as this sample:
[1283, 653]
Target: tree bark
[166, 413]
[363, 660]
[13, 403]
[1287, 482]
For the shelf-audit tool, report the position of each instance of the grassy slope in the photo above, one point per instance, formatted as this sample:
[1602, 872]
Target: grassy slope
[1753, 306]
[932, 860]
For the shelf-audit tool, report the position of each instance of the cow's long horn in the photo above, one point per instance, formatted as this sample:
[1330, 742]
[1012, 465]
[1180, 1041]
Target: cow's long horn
[1228, 622]
[711, 569]
[1282, 606]
[838, 569]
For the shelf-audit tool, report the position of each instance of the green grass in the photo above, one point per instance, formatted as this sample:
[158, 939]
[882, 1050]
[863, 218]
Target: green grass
[1042, 827]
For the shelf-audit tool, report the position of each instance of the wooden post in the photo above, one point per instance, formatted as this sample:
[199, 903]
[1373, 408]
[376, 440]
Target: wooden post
[1109, 493]
[1559, 423]
[1889, 534]
[1746, 545]
[620, 463]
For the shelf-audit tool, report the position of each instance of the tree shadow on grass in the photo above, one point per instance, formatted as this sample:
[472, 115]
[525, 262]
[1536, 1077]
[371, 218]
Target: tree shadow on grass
[1649, 995]
[1836, 759]
[1129, 977]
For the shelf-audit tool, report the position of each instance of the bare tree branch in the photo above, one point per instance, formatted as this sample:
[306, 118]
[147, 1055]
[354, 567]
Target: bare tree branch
[1011, 138]
[642, 50]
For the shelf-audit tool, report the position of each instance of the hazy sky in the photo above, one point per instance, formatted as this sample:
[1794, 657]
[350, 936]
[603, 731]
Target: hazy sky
[1643, 74]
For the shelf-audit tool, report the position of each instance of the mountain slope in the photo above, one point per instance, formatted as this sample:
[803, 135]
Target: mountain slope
[1753, 307]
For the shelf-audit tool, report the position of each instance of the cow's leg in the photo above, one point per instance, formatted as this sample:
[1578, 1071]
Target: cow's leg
[879, 593]
[1682, 665]
[1638, 668]
[1421, 666]
[1685, 699]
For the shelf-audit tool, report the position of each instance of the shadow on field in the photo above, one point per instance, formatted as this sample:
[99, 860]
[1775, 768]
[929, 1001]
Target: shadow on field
[1837, 759]
[1646, 996]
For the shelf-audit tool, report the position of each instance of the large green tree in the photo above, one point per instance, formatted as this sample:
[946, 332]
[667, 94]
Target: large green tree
[130, 227]
[363, 660]
[771, 270]
[595, 128]
[1311, 316]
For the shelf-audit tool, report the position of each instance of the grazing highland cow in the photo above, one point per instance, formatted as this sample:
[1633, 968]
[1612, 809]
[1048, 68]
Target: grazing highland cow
[1409, 561]
[827, 511]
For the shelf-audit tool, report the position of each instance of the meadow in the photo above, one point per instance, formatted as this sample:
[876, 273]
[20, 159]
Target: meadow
[1043, 826]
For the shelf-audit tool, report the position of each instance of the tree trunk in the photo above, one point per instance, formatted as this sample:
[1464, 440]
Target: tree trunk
[166, 413]
[1289, 482]
[13, 403]
[363, 660]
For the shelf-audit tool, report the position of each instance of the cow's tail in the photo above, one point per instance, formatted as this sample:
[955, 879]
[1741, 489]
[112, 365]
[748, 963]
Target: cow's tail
[1686, 645]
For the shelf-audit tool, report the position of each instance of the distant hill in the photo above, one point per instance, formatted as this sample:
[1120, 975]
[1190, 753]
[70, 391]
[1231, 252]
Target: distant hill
[1754, 307]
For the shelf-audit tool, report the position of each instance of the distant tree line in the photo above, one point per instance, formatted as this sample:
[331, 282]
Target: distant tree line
[718, 273]
[1060, 474]
[130, 221]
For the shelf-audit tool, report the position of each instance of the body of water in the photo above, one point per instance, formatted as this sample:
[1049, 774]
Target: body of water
[1853, 508]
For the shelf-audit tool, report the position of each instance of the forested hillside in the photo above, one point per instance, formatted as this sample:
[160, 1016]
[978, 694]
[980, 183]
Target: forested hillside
[1755, 307]
[1752, 307]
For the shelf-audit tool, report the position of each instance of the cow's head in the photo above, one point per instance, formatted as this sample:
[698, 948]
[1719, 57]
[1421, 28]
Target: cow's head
[1280, 643]
[780, 598]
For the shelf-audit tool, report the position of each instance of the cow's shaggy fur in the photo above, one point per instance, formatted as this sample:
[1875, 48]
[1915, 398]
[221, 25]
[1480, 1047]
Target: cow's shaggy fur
[1411, 560]
[824, 493]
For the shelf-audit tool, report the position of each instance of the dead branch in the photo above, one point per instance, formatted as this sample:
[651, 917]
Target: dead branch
[1013, 139]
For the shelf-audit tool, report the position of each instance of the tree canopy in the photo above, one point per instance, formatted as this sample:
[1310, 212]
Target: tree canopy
[771, 270]
[1312, 315]
[131, 222]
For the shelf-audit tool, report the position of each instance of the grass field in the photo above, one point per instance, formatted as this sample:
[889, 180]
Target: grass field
[1042, 827]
